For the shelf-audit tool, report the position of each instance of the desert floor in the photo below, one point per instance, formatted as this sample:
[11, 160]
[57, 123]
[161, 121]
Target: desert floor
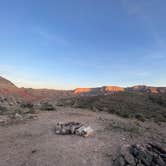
[34, 142]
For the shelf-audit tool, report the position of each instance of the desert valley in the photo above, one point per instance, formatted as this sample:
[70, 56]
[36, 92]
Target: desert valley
[128, 126]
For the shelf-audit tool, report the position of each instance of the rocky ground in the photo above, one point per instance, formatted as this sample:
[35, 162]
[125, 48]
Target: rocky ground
[34, 142]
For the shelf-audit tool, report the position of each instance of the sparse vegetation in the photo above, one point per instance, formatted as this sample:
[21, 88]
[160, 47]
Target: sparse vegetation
[27, 105]
[3, 110]
[47, 106]
[130, 127]
[140, 117]
[141, 106]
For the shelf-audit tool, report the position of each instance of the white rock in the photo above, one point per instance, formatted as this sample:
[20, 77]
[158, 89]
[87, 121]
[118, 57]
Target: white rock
[84, 131]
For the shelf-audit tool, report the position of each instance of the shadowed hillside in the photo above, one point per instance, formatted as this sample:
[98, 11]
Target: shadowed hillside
[7, 88]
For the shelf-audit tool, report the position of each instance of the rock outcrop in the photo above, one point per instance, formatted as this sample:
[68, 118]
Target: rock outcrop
[113, 89]
[82, 90]
[141, 155]
[99, 90]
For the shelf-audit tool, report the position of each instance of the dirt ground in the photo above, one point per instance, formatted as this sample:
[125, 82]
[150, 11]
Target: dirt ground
[34, 143]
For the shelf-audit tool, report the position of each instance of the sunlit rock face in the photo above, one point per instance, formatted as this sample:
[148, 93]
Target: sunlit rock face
[7, 88]
[153, 90]
[99, 90]
[113, 89]
[82, 90]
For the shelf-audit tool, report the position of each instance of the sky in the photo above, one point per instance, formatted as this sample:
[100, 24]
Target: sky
[64, 44]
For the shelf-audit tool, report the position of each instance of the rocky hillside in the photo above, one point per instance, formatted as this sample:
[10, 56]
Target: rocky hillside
[4, 83]
[7, 88]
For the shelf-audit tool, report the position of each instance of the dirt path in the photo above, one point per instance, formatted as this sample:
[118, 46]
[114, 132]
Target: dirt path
[35, 143]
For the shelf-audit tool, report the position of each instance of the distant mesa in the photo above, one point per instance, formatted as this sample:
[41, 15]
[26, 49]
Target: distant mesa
[113, 89]
[8, 88]
[98, 90]
[144, 88]
[82, 90]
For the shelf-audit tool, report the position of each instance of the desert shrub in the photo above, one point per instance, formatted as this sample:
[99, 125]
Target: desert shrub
[3, 110]
[18, 110]
[126, 127]
[26, 105]
[160, 118]
[47, 106]
[65, 102]
[140, 117]
[126, 115]
[158, 98]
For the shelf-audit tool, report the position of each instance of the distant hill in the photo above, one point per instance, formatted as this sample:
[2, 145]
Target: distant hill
[98, 90]
[114, 89]
[4, 83]
[148, 89]
[8, 88]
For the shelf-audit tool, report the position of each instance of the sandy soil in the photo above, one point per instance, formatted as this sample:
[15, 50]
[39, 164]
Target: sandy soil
[34, 142]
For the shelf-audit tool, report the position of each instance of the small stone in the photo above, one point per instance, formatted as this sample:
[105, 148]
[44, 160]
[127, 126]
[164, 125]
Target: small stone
[34, 151]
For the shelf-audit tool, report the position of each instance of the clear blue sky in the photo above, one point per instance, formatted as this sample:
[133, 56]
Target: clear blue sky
[64, 44]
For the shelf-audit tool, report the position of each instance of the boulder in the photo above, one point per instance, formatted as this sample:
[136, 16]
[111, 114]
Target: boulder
[84, 131]
[141, 155]
[73, 128]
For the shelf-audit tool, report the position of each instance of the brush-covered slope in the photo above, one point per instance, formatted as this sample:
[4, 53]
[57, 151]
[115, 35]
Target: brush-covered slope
[138, 105]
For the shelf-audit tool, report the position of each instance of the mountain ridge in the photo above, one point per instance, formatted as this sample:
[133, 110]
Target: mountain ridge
[114, 89]
[7, 87]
